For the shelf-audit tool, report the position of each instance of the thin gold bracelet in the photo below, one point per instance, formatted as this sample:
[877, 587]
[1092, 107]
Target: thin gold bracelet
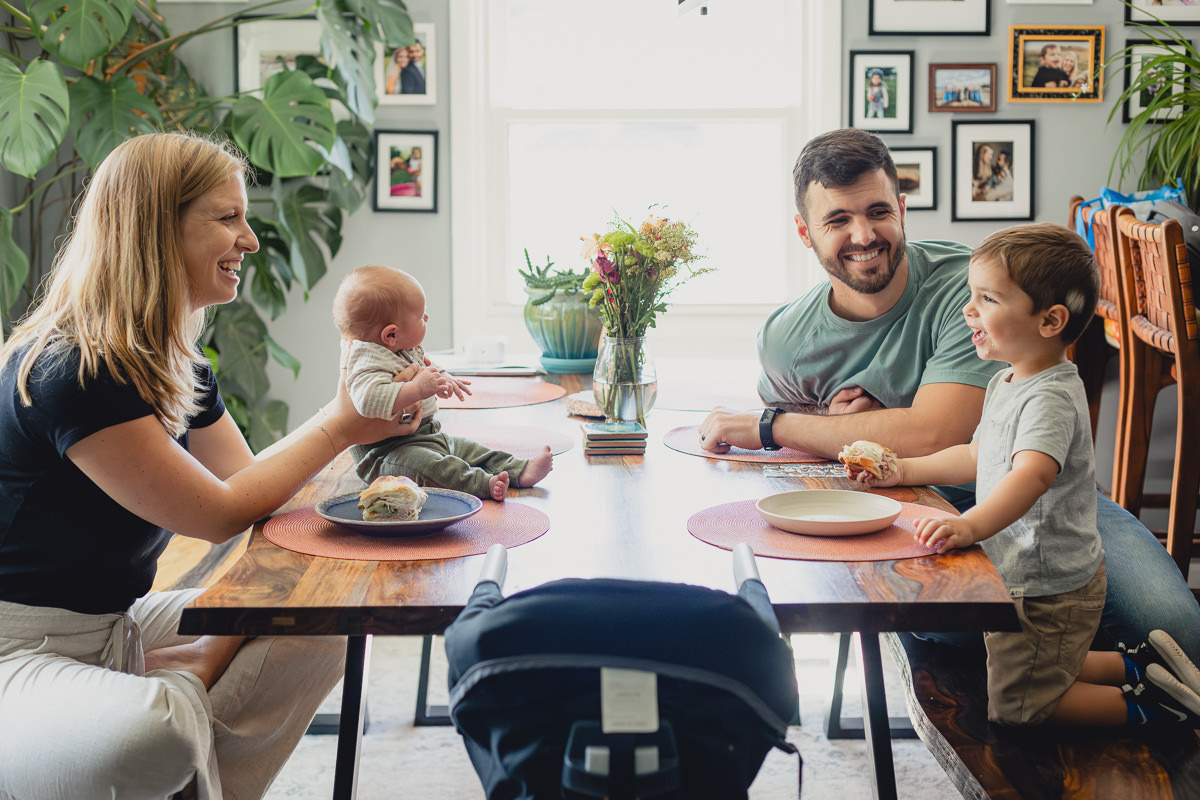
[329, 436]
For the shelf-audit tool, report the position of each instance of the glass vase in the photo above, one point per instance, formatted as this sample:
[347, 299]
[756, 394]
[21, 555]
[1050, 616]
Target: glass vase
[624, 382]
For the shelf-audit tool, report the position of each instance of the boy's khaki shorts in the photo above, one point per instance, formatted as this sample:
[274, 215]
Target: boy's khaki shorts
[1029, 670]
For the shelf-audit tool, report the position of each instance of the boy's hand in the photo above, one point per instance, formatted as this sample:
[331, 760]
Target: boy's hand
[945, 533]
[867, 479]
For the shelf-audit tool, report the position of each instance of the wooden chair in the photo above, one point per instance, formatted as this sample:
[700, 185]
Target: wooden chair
[1164, 349]
[1102, 339]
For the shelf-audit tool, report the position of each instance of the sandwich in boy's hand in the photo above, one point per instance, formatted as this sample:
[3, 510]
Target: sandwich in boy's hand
[392, 498]
[863, 456]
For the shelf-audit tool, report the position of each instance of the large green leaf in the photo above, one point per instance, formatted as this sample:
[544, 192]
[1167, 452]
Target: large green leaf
[14, 265]
[279, 131]
[77, 31]
[240, 335]
[266, 424]
[388, 19]
[34, 106]
[283, 358]
[349, 189]
[106, 113]
[310, 219]
[345, 43]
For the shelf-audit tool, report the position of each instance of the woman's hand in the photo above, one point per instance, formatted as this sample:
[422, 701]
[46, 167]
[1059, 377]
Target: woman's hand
[346, 426]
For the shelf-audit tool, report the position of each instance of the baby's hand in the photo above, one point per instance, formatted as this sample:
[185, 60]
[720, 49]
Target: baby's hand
[944, 533]
[458, 387]
[432, 381]
[867, 479]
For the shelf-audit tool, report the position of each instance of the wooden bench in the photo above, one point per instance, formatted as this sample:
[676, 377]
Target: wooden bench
[946, 693]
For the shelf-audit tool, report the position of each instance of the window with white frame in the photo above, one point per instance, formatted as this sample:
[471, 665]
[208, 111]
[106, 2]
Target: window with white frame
[566, 114]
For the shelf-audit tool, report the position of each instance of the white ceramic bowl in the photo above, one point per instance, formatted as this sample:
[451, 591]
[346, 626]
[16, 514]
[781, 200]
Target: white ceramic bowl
[829, 512]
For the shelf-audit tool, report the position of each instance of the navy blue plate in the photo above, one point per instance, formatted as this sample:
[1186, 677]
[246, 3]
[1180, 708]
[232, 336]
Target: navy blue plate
[443, 508]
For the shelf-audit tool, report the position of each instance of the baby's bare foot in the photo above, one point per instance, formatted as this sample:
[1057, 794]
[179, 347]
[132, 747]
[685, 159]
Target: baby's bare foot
[537, 468]
[498, 486]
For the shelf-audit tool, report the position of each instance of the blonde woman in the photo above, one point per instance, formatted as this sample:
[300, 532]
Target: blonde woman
[112, 432]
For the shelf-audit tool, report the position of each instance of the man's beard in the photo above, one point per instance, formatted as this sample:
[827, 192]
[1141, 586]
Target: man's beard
[871, 283]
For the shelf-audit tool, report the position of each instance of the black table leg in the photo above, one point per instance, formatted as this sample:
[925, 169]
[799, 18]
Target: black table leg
[426, 714]
[839, 727]
[354, 700]
[875, 717]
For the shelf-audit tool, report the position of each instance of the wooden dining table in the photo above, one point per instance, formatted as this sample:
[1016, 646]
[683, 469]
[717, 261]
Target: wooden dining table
[613, 517]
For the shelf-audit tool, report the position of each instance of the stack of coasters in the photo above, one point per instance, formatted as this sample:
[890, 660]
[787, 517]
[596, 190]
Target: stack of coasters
[613, 439]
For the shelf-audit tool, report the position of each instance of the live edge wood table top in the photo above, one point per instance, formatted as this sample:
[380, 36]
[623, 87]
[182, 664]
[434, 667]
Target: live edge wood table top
[612, 516]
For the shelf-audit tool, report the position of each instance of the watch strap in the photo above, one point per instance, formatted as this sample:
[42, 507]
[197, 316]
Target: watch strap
[764, 428]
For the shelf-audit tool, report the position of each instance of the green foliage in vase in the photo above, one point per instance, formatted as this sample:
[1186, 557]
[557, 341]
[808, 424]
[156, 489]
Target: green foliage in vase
[1162, 141]
[79, 77]
[551, 283]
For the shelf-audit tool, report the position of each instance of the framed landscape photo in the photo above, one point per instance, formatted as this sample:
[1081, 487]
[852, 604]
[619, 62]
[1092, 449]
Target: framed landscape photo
[265, 46]
[1056, 63]
[1140, 52]
[916, 169]
[931, 17]
[962, 87]
[1173, 12]
[406, 170]
[991, 170]
[407, 76]
[881, 96]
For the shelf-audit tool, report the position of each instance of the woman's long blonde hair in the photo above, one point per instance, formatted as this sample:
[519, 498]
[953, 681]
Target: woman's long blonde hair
[118, 290]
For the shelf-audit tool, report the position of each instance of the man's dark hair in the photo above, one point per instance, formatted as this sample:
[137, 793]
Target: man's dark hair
[839, 158]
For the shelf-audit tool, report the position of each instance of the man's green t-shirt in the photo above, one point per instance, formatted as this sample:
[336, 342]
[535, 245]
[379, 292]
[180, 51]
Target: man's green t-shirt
[808, 353]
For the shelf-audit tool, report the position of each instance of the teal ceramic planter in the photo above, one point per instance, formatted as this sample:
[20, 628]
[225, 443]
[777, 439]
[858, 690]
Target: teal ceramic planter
[564, 329]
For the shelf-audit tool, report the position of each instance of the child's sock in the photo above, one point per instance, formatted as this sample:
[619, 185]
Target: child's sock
[1133, 672]
[1139, 715]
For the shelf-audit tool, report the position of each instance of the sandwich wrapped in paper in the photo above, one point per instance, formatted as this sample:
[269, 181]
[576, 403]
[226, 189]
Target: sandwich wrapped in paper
[863, 456]
[392, 498]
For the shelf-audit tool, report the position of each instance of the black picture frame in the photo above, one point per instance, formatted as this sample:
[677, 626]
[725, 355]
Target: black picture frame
[895, 68]
[916, 169]
[1133, 105]
[986, 196]
[417, 191]
[1174, 16]
[930, 18]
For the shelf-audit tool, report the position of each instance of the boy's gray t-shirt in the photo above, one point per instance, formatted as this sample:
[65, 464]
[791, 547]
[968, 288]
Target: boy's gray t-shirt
[1055, 546]
[808, 353]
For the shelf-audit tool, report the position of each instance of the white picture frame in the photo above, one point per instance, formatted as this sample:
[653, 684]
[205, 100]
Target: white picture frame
[260, 44]
[425, 34]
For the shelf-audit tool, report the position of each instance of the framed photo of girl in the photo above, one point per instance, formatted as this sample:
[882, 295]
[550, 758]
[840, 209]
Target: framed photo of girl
[405, 171]
[916, 169]
[992, 170]
[881, 96]
[1139, 53]
[1056, 63]
[962, 87]
[407, 76]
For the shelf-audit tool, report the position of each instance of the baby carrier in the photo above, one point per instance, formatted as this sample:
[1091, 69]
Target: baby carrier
[620, 689]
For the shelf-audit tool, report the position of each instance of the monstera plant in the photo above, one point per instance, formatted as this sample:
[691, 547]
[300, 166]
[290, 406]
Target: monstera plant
[77, 77]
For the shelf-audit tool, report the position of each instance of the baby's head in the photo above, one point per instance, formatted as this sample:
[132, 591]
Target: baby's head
[1051, 55]
[382, 305]
[1052, 265]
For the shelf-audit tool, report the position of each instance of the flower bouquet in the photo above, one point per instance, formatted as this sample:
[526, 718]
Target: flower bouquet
[634, 270]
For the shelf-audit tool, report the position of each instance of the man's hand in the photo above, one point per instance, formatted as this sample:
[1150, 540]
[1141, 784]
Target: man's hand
[852, 400]
[945, 533]
[724, 428]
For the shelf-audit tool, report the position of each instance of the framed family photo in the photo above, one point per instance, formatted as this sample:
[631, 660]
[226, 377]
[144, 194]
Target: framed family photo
[265, 46]
[1173, 12]
[1140, 52]
[406, 76]
[962, 87]
[1056, 63]
[881, 95]
[916, 169]
[931, 17]
[992, 169]
[406, 170]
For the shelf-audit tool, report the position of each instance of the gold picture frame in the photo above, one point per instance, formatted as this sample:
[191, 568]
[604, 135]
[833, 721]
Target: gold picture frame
[1056, 63]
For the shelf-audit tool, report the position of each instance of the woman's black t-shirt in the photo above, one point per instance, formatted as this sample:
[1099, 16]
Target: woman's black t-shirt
[64, 543]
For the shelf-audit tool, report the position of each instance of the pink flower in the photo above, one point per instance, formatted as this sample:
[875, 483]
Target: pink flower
[607, 269]
[594, 245]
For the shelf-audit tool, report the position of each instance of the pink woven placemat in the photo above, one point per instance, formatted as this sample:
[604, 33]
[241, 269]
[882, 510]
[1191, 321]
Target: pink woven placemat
[687, 440]
[491, 392]
[726, 525]
[508, 523]
[523, 441]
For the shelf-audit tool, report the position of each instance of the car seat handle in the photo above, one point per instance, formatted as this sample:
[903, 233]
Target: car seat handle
[744, 566]
[495, 566]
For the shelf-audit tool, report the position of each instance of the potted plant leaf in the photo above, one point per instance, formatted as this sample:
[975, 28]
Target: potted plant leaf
[1162, 102]
[559, 319]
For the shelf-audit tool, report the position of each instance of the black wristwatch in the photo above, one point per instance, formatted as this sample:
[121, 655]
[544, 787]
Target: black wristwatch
[764, 428]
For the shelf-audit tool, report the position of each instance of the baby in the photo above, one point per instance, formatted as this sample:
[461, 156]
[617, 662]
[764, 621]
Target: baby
[380, 313]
